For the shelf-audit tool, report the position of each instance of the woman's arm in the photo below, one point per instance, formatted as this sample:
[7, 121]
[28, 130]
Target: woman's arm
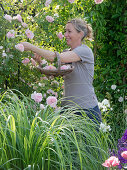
[66, 57]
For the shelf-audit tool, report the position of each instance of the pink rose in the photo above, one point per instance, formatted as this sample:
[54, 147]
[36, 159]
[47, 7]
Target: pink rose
[33, 62]
[24, 24]
[29, 34]
[25, 61]
[51, 101]
[98, 1]
[49, 18]
[48, 2]
[8, 17]
[11, 34]
[71, 1]
[124, 154]
[50, 67]
[60, 35]
[18, 17]
[37, 97]
[112, 161]
[64, 67]
[19, 47]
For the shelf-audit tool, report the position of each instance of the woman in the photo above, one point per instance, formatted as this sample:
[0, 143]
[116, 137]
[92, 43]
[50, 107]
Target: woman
[79, 90]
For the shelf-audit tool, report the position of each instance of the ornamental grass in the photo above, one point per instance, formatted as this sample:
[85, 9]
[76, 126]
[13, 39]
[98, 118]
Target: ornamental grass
[46, 139]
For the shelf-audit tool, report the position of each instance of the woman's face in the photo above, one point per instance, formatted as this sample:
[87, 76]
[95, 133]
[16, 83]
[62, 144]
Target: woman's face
[73, 37]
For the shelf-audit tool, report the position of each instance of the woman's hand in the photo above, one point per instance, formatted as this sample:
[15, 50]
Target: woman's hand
[27, 46]
[37, 58]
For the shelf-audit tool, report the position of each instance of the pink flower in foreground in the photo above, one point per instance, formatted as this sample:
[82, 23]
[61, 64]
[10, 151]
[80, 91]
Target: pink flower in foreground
[50, 67]
[112, 161]
[124, 154]
[51, 101]
[11, 34]
[19, 47]
[64, 67]
[48, 2]
[37, 97]
[71, 1]
[98, 1]
[60, 35]
[42, 106]
[8, 17]
[49, 18]
[25, 61]
[29, 34]
[18, 17]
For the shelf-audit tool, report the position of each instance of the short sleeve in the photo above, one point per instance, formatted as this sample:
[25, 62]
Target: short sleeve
[85, 53]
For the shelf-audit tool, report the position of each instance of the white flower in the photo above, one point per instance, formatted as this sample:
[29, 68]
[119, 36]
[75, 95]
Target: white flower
[104, 105]
[105, 102]
[56, 15]
[4, 54]
[120, 99]
[39, 84]
[1, 47]
[57, 6]
[113, 87]
[104, 127]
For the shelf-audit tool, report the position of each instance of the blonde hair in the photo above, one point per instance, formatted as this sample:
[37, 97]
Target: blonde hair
[81, 25]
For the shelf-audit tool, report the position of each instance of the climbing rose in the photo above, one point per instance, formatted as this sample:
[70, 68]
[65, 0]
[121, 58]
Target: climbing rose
[98, 1]
[25, 61]
[18, 17]
[19, 47]
[49, 18]
[71, 1]
[60, 35]
[124, 154]
[48, 2]
[8, 17]
[110, 162]
[24, 24]
[29, 34]
[52, 101]
[37, 97]
[11, 34]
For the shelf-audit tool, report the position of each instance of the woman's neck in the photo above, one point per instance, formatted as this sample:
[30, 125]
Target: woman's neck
[73, 47]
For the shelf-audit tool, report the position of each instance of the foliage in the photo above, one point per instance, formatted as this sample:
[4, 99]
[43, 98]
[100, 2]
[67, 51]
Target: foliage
[111, 61]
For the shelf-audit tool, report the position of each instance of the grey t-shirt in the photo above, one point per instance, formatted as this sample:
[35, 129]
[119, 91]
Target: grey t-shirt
[78, 88]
